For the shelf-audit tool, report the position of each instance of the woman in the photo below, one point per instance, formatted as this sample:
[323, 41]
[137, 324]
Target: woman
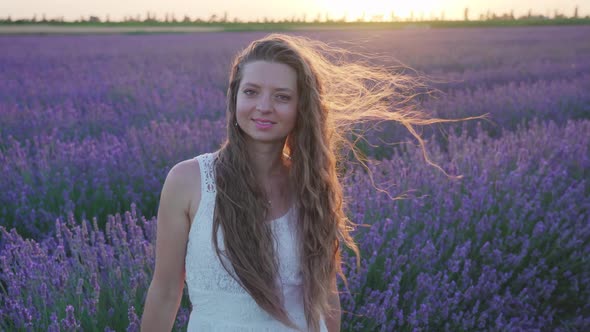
[256, 227]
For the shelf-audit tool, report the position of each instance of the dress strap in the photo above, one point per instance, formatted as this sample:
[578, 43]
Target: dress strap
[207, 166]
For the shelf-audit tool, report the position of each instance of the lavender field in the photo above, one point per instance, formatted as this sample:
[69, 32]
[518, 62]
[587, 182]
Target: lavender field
[90, 126]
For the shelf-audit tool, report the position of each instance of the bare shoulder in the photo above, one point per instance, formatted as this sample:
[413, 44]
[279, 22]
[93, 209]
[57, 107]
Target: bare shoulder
[173, 227]
[185, 178]
[186, 171]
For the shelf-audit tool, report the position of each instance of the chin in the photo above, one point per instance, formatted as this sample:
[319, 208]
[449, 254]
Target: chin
[265, 138]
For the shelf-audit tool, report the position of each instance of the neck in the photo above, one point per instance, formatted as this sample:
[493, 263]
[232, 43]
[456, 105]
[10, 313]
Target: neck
[267, 160]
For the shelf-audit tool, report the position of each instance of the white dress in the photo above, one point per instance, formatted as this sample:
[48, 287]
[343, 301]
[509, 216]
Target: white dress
[219, 302]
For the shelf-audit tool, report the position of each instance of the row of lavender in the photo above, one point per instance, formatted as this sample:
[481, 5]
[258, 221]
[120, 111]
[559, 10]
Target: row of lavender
[90, 124]
[503, 248]
[85, 85]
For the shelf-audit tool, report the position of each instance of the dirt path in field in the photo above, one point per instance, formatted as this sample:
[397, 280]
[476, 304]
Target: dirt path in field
[48, 29]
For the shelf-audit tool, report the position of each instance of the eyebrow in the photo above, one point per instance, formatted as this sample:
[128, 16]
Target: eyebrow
[277, 89]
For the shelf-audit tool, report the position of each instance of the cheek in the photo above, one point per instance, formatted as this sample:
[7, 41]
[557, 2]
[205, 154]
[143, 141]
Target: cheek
[240, 107]
[239, 103]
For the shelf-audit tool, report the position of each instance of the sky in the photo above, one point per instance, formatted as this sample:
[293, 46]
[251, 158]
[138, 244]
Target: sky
[250, 10]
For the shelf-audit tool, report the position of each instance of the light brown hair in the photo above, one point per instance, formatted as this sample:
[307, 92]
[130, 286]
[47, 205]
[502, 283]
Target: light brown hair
[334, 96]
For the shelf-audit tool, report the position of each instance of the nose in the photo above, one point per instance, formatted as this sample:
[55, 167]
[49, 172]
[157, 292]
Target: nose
[264, 104]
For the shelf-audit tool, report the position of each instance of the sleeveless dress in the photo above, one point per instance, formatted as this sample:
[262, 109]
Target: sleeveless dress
[219, 302]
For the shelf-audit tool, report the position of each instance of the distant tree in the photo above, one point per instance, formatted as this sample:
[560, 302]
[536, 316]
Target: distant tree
[186, 19]
[576, 12]
[512, 14]
[557, 15]
[530, 14]
[442, 15]
[94, 19]
[318, 18]
[108, 18]
[173, 18]
[213, 18]
[34, 19]
[224, 20]
[153, 17]
[362, 17]
[377, 18]
[504, 17]
[466, 14]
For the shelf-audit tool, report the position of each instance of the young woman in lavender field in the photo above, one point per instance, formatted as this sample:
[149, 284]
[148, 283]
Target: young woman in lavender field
[255, 228]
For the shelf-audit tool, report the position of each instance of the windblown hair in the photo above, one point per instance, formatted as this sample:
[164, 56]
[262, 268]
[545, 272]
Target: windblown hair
[334, 96]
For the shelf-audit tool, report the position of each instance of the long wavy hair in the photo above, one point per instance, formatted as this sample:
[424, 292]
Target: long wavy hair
[334, 96]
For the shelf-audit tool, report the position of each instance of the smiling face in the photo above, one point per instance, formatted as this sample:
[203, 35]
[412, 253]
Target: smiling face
[266, 103]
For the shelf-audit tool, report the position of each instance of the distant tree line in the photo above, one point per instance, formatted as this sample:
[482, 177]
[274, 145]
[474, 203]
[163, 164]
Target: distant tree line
[151, 17]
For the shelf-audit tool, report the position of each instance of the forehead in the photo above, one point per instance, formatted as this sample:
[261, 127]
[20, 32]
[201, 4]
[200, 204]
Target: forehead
[269, 74]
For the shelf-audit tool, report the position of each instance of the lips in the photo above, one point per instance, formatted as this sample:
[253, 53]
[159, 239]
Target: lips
[263, 121]
[263, 124]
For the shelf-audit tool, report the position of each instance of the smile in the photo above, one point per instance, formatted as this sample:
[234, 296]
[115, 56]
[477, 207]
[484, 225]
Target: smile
[263, 123]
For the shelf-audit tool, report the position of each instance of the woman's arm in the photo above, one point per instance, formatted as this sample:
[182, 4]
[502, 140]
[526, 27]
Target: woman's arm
[165, 292]
[333, 317]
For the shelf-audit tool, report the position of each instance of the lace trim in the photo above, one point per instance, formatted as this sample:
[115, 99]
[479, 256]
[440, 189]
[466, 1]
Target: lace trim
[208, 172]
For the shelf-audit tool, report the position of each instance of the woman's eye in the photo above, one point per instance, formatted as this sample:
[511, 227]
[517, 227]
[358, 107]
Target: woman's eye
[248, 92]
[284, 97]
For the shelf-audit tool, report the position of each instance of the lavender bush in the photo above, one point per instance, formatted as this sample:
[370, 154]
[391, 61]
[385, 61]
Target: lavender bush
[72, 281]
[504, 248]
[90, 125]
[95, 176]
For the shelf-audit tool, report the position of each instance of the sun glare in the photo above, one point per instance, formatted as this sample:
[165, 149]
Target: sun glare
[380, 10]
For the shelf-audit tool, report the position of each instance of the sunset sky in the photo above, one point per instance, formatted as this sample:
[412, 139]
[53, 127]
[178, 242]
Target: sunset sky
[253, 9]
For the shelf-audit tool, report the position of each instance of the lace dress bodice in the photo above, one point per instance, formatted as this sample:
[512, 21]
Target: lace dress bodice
[219, 302]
